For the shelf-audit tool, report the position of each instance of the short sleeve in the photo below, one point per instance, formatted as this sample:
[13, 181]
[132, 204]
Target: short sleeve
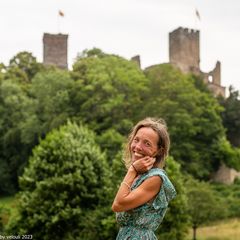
[167, 191]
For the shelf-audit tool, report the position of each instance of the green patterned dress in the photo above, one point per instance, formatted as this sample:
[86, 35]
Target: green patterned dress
[141, 222]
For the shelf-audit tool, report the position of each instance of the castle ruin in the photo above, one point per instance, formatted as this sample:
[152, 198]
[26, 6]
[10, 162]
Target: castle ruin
[225, 175]
[55, 50]
[137, 60]
[184, 53]
[184, 50]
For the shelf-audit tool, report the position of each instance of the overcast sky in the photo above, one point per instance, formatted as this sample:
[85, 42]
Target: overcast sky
[125, 28]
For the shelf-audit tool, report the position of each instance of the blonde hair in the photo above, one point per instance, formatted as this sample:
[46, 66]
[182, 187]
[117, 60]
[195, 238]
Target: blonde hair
[160, 127]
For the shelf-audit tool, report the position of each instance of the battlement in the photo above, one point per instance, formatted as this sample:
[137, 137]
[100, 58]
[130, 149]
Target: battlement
[184, 49]
[185, 31]
[184, 53]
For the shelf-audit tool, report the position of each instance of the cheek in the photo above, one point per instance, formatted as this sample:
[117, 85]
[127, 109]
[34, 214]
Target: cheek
[147, 151]
[152, 152]
[132, 146]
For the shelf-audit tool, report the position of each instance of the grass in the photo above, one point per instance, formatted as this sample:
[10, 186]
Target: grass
[223, 230]
[7, 208]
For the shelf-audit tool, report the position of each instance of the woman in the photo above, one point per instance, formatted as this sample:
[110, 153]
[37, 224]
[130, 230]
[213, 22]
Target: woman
[143, 196]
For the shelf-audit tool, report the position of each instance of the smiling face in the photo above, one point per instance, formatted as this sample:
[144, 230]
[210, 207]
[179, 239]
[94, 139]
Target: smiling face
[144, 143]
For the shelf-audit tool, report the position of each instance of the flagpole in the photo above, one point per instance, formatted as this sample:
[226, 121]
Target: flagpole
[197, 19]
[60, 15]
[58, 23]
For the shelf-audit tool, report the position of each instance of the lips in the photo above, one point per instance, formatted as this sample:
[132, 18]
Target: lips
[139, 155]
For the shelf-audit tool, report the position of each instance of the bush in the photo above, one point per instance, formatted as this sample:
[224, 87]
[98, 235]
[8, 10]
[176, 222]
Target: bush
[230, 196]
[64, 187]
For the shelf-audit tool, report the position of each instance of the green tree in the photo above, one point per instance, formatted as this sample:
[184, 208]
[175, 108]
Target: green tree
[23, 67]
[15, 109]
[111, 141]
[193, 117]
[28, 112]
[231, 116]
[2, 70]
[199, 83]
[204, 204]
[108, 91]
[230, 196]
[223, 152]
[64, 188]
[50, 90]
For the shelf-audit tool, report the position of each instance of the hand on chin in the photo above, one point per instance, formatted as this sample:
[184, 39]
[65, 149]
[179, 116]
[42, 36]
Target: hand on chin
[143, 164]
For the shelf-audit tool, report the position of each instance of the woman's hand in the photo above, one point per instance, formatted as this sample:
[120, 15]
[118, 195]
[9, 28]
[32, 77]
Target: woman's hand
[144, 164]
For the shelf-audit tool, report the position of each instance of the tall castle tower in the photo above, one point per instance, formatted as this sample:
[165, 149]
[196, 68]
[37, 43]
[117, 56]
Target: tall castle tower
[184, 49]
[55, 50]
[184, 53]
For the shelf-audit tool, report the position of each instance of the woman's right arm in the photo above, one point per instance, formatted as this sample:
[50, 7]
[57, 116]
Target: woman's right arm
[125, 198]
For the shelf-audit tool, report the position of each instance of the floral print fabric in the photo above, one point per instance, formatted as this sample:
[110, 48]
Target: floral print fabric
[141, 222]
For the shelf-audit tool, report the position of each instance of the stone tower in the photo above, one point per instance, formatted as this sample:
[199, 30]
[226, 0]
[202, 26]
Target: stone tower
[137, 60]
[184, 49]
[55, 50]
[216, 74]
[184, 53]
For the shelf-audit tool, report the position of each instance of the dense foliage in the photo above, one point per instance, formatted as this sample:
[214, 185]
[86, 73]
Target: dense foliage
[230, 195]
[65, 185]
[15, 109]
[204, 205]
[193, 118]
[108, 91]
[108, 94]
[29, 111]
[231, 119]
[211, 202]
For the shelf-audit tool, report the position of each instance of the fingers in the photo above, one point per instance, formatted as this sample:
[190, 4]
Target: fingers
[144, 164]
[151, 161]
[147, 159]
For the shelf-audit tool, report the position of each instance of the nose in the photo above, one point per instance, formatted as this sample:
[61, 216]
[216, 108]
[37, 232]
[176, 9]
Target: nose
[138, 146]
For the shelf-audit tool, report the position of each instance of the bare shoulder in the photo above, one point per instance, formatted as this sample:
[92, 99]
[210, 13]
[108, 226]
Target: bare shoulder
[153, 182]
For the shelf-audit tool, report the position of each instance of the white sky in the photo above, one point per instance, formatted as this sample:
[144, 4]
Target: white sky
[125, 28]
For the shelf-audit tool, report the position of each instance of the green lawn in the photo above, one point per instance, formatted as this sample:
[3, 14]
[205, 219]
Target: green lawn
[223, 230]
[6, 201]
[7, 208]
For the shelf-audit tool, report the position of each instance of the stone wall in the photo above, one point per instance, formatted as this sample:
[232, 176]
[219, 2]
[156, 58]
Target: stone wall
[55, 50]
[137, 60]
[225, 175]
[184, 53]
[213, 80]
[184, 49]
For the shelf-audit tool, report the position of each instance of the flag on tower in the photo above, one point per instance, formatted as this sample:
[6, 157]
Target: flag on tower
[61, 13]
[197, 14]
